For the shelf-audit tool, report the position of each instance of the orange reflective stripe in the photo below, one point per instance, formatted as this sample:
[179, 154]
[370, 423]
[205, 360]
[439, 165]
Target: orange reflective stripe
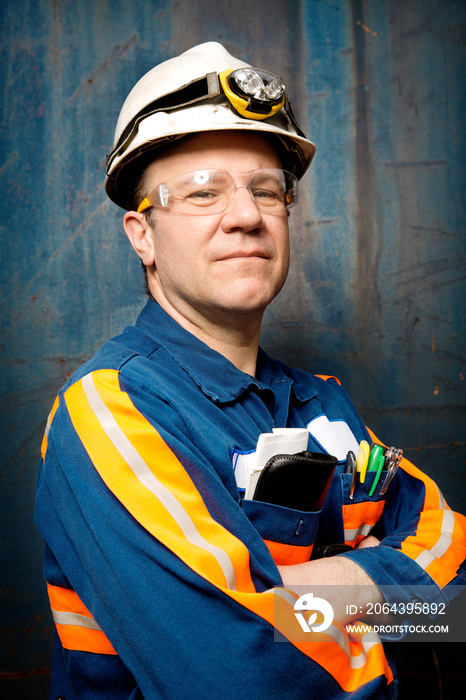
[438, 543]
[67, 609]
[352, 662]
[284, 554]
[66, 600]
[433, 547]
[43, 448]
[80, 639]
[453, 556]
[359, 519]
[148, 479]
[325, 377]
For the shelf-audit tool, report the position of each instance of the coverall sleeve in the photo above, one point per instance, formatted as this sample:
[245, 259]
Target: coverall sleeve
[159, 584]
[422, 541]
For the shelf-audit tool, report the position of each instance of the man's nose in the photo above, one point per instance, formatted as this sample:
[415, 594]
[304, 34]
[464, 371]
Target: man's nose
[242, 211]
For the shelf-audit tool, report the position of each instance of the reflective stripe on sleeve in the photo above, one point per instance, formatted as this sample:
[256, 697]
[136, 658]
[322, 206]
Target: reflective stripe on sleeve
[77, 629]
[43, 448]
[148, 479]
[434, 546]
[438, 543]
[441, 546]
[352, 662]
[287, 554]
[359, 519]
[70, 618]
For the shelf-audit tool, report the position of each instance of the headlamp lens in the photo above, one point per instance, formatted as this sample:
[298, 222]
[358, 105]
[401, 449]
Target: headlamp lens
[259, 84]
[275, 89]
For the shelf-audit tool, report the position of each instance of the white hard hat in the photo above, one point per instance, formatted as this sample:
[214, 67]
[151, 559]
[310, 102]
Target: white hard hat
[201, 90]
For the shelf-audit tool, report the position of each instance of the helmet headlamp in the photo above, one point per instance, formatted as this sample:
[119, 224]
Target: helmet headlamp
[254, 93]
[203, 89]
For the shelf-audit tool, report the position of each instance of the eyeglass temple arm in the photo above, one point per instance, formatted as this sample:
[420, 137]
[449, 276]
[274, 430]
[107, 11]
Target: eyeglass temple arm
[145, 204]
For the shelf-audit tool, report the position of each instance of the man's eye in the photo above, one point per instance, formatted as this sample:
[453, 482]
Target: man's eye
[203, 195]
[268, 194]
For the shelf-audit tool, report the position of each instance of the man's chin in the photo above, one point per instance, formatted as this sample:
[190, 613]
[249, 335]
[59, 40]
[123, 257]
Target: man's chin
[247, 306]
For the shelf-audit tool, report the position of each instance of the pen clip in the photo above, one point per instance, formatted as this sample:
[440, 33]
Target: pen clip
[394, 458]
[350, 468]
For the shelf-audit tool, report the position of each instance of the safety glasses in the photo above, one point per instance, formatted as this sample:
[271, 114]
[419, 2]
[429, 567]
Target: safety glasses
[204, 192]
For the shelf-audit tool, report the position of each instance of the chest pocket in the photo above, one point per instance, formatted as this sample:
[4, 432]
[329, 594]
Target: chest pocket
[289, 534]
[361, 514]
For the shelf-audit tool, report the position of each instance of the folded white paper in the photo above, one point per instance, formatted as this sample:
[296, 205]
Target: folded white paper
[282, 441]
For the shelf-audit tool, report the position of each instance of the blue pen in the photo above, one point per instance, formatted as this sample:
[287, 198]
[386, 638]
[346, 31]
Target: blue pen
[350, 468]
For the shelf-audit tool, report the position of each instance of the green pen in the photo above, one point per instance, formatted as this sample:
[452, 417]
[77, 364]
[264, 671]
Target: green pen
[373, 462]
[380, 466]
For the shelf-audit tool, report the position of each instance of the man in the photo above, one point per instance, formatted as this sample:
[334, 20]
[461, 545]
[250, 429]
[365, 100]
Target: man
[165, 579]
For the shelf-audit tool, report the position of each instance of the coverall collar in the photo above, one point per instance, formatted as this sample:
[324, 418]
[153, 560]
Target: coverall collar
[216, 376]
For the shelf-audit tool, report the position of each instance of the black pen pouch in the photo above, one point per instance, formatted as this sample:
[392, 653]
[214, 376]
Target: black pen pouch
[299, 481]
[287, 504]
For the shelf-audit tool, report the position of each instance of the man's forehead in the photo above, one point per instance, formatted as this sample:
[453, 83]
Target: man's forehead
[215, 150]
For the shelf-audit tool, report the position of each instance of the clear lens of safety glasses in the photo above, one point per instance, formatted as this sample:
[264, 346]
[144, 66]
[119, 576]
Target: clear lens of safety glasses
[210, 191]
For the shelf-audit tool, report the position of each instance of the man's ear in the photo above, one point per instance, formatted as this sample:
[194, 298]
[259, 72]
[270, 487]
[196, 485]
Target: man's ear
[140, 236]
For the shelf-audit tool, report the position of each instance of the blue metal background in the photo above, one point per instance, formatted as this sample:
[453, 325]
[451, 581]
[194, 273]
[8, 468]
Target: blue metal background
[376, 292]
